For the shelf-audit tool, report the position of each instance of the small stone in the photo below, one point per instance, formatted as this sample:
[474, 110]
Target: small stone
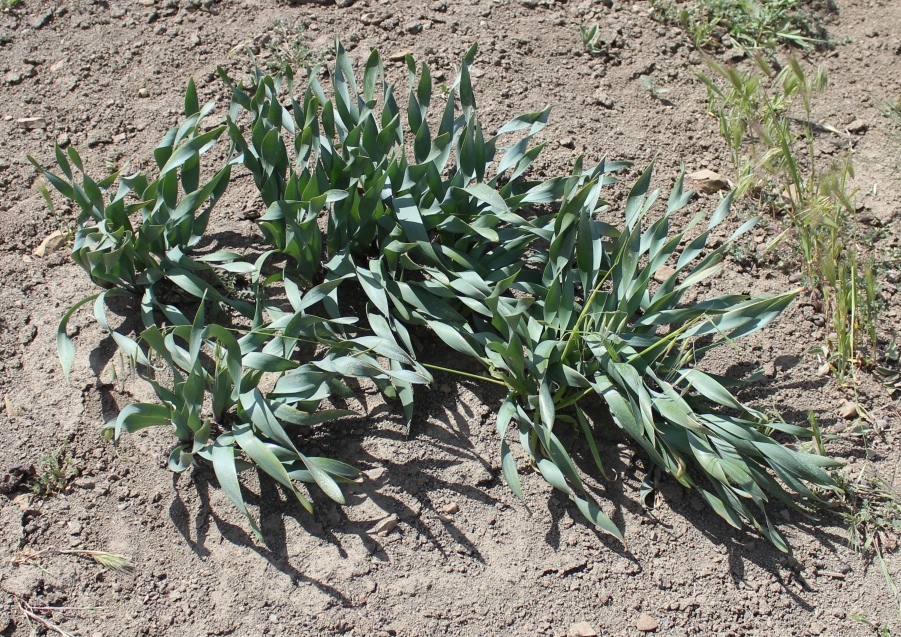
[663, 274]
[41, 20]
[582, 629]
[601, 98]
[413, 27]
[647, 624]
[708, 181]
[399, 56]
[385, 527]
[849, 410]
[146, 3]
[51, 243]
[445, 388]
[14, 77]
[75, 527]
[858, 127]
[451, 508]
[374, 475]
[567, 142]
[795, 277]
[29, 123]
[143, 92]
[63, 140]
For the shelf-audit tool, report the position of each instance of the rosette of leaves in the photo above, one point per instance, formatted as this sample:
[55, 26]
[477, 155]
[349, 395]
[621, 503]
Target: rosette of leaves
[558, 306]
[238, 401]
[174, 211]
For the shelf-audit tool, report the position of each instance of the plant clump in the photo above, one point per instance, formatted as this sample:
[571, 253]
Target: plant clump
[441, 230]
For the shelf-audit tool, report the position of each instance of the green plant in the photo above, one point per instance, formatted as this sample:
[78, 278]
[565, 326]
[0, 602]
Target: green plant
[439, 229]
[287, 47]
[175, 210]
[700, 28]
[775, 156]
[880, 630]
[591, 40]
[459, 255]
[224, 396]
[53, 472]
[61, 223]
[751, 24]
[656, 91]
[872, 512]
[889, 371]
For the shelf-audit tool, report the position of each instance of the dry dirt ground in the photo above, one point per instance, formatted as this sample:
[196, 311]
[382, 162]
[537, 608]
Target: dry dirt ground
[487, 568]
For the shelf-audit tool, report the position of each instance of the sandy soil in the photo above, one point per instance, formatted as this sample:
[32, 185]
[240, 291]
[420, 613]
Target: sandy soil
[487, 568]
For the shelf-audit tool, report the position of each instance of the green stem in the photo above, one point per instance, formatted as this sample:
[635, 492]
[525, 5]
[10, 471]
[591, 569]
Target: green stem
[465, 374]
[571, 341]
[574, 399]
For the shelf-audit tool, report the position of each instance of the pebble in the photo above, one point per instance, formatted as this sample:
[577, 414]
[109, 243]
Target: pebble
[848, 410]
[385, 527]
[41, 20]
[413, 27]
[143, 92]
[399, 56]
[53, 242]
[858, 126]
[582, 629]
[451, 508]
[601, 98]
[647, 624]
[708, 181]
[29, 123]
[663, 274]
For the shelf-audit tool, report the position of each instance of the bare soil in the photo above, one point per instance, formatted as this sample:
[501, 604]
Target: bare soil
[465, 558]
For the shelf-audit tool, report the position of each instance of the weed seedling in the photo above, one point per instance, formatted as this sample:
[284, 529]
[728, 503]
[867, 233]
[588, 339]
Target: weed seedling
[53, 472]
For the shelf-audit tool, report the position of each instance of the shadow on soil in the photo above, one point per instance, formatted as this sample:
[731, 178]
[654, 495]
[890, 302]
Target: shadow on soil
[411, 485]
